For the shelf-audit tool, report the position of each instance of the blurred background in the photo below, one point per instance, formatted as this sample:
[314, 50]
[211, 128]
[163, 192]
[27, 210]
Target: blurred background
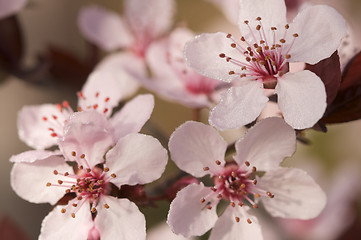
[48, 30]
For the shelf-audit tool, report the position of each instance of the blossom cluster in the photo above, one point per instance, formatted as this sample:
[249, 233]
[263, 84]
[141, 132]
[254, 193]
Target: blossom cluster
[84, 157]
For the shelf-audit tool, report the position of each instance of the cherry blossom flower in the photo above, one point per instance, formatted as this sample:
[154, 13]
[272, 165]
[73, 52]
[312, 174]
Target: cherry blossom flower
[259, 59]
[143, 22]
[8, 8]
[172, 78]
[41, 126]
[254, 176]
[100, 163]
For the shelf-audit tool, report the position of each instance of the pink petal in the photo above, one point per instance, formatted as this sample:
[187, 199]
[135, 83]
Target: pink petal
[59, 225]
[128, 68]
[239, 106]
[330, 27]
[194, 146]
[266, 144]
[29, 180]
[101, 92]
[301, 98]
[122, 220]
[8, 8]
[132, 117]
[272, 13]
[90, 117]
[203, 55]
[296, 194]
[227, 228]
[33, 155]
[187, 215]
[136, 159]
[85, 138]
[104, 28]
[151, 18]
[34, 130]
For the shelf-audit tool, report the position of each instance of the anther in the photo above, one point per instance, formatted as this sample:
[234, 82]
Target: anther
[218, 162]
[233, 45]
[106, 169]
[243, 75]
[54, 135]
[63, 210]
[222, 55]
[203, 200]
[105, 110]
[107, 99]
[282, 40]
[243, 185]
[66, 174]
[45, 119]
[262, 42]
[106, 206]
[244, 68]
[94, 210]
[206, 168]
[73, 153]
[295, 35]
[255, 181]
[65, 104]
[209, 207]
[75, 205]
[79, 198]
[48, 184]
[243, 39]
[247, 163]
[288, 56]
[257, 195]
[60, 182]
[113, 175]
[95, 106]
[55, 172]
[88, 170]
[287, 26]
[73, 215]
[237, 219]
[269, 194]
[255, 206]
[233, 204]
[254, 169]
[229, 35]
[258, 27]
[230, 73]
[219, 196]
[82, 156]
[213, 189]
[258, 18]
[228, 59]
[273, 28]
[246, 21]
[240, 204]
[249, 221]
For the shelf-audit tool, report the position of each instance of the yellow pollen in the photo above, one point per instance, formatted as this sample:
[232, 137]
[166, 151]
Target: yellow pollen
[82, 156]
[254, 169]
[94, 210]
[106, 206]
[288, 56]
[63, 210]
[73, 153]
[243, 185]
[106, 169]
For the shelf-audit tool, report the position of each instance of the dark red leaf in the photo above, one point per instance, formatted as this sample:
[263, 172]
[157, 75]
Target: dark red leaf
[351, 75]
[329, 71]
[11, 43]
[9, 230]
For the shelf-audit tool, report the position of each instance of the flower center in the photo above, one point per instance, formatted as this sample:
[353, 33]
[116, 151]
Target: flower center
[88, 184]
[264, 57]
[237, 185]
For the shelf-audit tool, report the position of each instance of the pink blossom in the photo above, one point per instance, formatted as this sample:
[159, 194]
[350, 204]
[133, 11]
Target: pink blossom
[41, 126]
[172, 78]
[8, 8]
[143, 22]
[100, 162]
[259, 60]
[253, 176]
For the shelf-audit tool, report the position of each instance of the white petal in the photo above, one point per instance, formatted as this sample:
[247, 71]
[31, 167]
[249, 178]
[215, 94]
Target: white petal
[29, 180]
[8, 8]
[59, 226]
[150, 18]
[194, 146]
[101, 90]
[89, 117]
[202, 54]
[272, 13]
[34, 130]
[239, 106]
[227, 228]
[266, 144]
[33, 155]
[122, 220]
[330, 28]
[136, 159]
[89, 139]
[128, 68]
[301, 98]
[187, 215]
[132, 117]
[104, 28]
[296, 194]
